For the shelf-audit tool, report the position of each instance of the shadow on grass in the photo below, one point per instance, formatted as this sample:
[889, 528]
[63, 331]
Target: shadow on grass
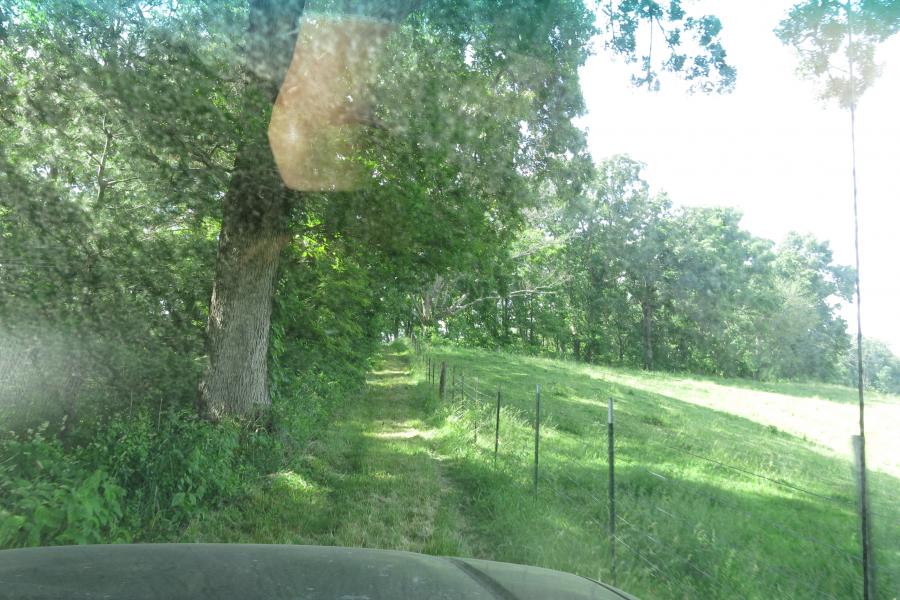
[371, 480]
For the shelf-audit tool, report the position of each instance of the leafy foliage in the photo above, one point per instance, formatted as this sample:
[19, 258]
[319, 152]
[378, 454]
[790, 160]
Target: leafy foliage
[44, 497]
[881, 367]
[707, 69]
[631, 279]
[821, 33]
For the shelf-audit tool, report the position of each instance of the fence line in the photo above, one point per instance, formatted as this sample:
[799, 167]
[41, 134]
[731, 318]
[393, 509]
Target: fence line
[468, 403]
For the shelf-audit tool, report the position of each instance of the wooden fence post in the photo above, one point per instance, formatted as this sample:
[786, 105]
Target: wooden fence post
[462, 389]
[453, 386]
[443, 386]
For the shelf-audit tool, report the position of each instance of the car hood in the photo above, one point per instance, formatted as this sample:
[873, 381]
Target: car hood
[242, 571]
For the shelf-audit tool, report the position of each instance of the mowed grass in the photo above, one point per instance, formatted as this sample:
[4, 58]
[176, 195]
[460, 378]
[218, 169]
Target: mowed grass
[713, 500]
[724, 488]
[372, 480]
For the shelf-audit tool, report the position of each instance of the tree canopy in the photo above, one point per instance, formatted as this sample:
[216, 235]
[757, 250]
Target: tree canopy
[829, 34]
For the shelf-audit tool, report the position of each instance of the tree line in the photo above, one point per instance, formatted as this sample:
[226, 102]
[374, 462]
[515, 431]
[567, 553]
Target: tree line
[621, 276]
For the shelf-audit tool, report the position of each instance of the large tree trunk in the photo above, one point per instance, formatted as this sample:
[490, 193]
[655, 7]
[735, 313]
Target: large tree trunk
[253, 234]
[254, 230]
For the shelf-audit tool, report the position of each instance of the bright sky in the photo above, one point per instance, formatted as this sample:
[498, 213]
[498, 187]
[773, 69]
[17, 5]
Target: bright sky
[770, 149]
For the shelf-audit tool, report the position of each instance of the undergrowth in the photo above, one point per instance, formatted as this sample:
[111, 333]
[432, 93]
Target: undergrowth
[142, 476]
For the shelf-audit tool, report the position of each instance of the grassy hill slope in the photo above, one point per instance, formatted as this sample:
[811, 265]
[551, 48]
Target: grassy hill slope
[713, 499]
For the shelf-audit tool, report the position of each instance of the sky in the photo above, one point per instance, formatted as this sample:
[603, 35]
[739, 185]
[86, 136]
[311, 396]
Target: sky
[771, 149]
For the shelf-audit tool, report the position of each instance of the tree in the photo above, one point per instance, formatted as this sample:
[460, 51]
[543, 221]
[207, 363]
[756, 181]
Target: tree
[636, 280]
[621, 232]
[707, 70]
[819, 31]
[257, 205]
[106, 244]
[534, 50]
[810, 338]
[721, 293]
[881, 367]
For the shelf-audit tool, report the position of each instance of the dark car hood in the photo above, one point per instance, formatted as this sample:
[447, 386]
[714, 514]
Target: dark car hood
[243, 571]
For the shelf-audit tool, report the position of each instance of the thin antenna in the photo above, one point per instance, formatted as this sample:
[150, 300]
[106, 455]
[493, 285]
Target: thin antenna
[863, 484]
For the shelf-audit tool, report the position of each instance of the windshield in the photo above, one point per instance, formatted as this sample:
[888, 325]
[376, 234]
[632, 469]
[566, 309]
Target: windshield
[604, 287]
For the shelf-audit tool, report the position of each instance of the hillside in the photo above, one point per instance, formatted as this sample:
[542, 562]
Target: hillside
[709, 503]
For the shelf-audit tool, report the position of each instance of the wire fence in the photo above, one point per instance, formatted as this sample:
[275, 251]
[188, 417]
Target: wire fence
[637, 498]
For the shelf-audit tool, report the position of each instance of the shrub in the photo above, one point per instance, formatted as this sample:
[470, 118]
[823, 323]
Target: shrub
[173, 464]
[140, 477]
[45, 497]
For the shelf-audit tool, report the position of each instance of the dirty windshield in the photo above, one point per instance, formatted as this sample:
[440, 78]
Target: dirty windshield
[573, 284]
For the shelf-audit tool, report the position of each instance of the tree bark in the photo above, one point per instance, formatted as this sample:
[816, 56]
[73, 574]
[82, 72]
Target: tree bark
[253, 234]
[254, 230]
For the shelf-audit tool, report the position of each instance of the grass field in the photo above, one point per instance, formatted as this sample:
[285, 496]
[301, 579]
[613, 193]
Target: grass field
[724, 488]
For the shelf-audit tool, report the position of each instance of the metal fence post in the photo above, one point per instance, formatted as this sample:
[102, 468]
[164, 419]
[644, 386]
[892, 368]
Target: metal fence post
[443, 386]
[497, 427]
[864, 519]
[612, 490]
[537, 435]
[475, 412]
